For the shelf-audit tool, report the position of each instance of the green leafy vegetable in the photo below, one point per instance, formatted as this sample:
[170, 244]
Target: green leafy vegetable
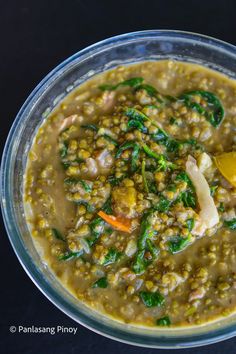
[96, 227]
[111, 257]
[163, 321]
[173, 121]
[57, 234]
[214, 112]
[190, 224]
[125, 146]
[140, 263]
[144, 177]
[88, 207]
[70, 255]
[231, 224]
[152, 299]
[115, 181]
[213, 189]
[163, 205]
[133, 82]
[135, 153]
[134, 157]
[107, 206]
[178, 244]
[100, 283]
[92, 127]
[188, 198]
[221, 207]
[73, 180]
[110, 139]
[152, 249]
[64, 149]
[182, 176]
[161, 160]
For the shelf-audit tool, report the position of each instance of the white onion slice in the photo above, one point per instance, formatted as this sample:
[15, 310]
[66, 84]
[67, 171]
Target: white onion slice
[208, 211]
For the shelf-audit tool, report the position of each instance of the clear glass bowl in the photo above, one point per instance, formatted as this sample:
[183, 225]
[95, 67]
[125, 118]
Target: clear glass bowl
[123, 49]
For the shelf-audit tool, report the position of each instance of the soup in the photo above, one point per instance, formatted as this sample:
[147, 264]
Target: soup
[130, 192]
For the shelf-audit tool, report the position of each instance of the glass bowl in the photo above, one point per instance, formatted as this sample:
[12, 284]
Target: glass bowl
[124, 49]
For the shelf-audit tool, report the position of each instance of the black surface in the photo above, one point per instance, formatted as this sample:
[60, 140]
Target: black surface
[35, 36]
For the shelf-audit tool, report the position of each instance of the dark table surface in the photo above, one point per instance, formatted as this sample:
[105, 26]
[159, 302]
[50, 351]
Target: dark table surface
[35, 36]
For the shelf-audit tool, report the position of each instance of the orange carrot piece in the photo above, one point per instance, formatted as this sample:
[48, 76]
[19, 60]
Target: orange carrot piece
[117, 223]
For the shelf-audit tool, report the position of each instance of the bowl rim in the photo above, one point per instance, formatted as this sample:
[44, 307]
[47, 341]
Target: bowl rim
[7, 205]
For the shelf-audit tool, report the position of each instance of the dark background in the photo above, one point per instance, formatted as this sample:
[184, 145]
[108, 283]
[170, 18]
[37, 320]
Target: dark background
[35, 36]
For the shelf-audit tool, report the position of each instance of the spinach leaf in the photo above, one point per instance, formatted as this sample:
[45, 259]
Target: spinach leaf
[152, 249]
[92, 127]
[140, 263]
[213, 189]
[96, 227]
[57, 234]
[73, 180]
[70, 255]
[178, 244]
[133, 82]
[188, 198]
[134, 157]
[111, 257]
[107, 206]
[190, 224]
[115, 181]
[125, 146]
[64, 149]
[163, 205]
[110, 139]
[182, 176]
[163, 321]
[152, 299]
[144, 177]
[221, 207]
[100, 283]
[173, 121]
[214, 112]
[161, 160]
[89, 208]
[231, 224]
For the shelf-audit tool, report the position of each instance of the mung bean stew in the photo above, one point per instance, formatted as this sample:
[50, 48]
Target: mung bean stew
[130, 193]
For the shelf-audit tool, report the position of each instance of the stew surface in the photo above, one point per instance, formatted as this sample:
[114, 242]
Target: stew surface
[130, 193]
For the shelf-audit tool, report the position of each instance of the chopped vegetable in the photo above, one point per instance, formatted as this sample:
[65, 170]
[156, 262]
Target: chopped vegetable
[92, 127]
[70, 255]
[110, 139]
[120, 224]
[231, 224]
[163, 205]
[144, 177]
[100, 283]
[84, 184]
[190, 224]
[178, 244]
[163, 321]
[57, 234]
[111, 257]
[152, 299]
[214, 112]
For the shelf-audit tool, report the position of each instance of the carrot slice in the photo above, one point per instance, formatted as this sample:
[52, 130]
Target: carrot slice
[117, 223]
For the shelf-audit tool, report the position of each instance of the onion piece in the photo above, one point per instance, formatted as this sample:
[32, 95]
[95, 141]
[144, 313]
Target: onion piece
[208, 211]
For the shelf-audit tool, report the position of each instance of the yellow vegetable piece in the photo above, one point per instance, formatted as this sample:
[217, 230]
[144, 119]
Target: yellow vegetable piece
[226, 163]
